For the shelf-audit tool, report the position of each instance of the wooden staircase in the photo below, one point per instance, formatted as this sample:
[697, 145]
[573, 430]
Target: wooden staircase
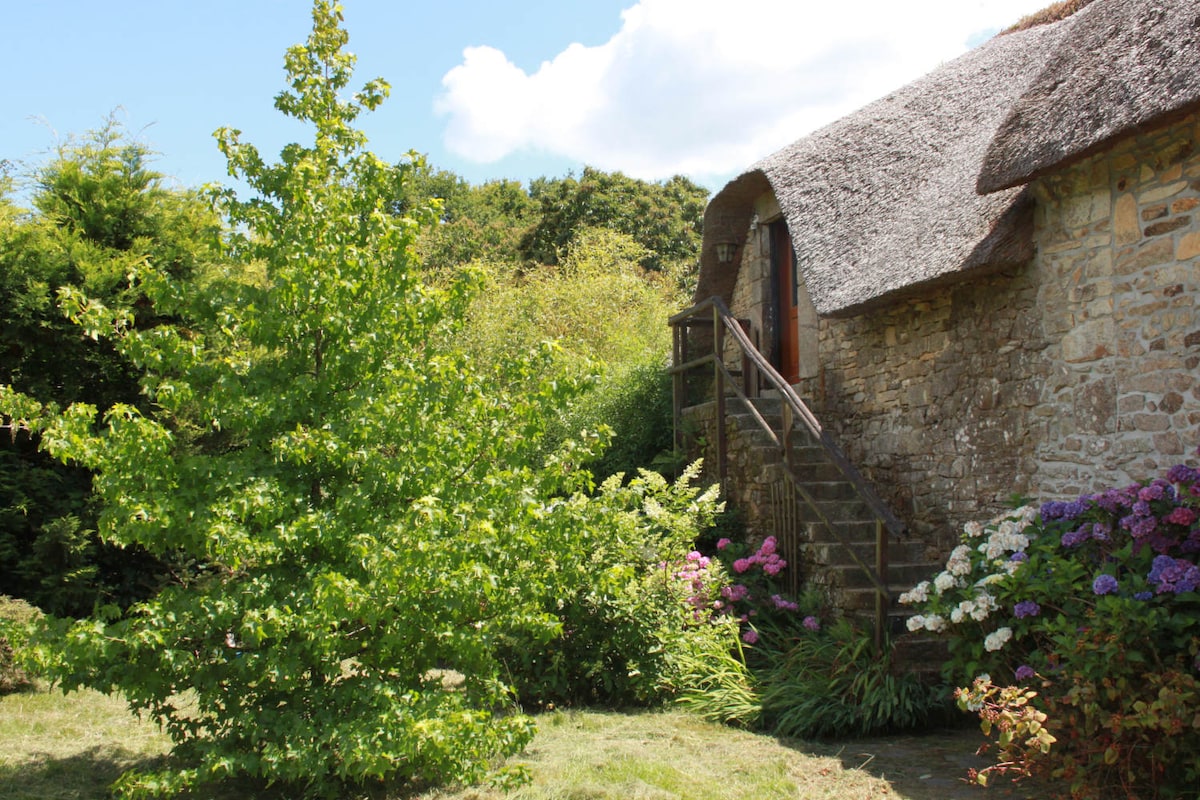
[827, 518]
[825, 557]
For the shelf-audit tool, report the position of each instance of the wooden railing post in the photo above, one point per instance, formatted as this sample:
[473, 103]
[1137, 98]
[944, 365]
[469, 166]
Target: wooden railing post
[719, 375]
[881, 569]
[678, 382]
[788, 424]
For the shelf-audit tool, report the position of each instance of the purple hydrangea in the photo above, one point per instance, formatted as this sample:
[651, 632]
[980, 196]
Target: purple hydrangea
[1176, 575]
[1020, 557]
[783, 604]
[1105, 584]
[1057, 509]
[1026, 608]
[1154, 491]
[1181, 473]
[1024, 672]
[1181, 515]
[1077, 537]
[812, 623]
[735, 592]
[1143, 527]
[1143, 596]
[1116, 500]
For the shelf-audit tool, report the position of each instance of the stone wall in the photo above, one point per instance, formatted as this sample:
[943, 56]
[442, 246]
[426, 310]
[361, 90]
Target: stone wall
[932, 399]
[1118, 237]
[1076, 372]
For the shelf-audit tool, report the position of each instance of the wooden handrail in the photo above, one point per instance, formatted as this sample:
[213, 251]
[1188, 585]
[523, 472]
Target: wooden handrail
[723, 322]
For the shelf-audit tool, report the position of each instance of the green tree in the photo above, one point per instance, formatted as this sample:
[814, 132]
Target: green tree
[475, 223]
[365, 516]
[665, 218]
[99, 212]
[607, 317]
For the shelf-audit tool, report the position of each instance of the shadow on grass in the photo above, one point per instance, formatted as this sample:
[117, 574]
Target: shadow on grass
[929, 765]
[81, 776]
[88, 775]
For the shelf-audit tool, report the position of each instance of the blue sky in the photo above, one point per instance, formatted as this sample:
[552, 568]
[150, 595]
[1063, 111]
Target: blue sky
[488, 89]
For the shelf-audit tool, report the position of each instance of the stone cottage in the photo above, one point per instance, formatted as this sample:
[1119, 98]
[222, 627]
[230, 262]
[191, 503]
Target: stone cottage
[987, 282]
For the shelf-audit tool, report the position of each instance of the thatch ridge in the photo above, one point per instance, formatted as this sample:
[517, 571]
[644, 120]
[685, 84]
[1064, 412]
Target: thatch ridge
[1051, 13]
[1123, 66]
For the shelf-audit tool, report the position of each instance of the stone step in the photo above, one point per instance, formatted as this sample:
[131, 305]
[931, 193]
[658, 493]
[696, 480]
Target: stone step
[827, 551]
[919, 652]
[816, 472]
[854, 531]
[835, 511]
[900, 574]
[829, 490]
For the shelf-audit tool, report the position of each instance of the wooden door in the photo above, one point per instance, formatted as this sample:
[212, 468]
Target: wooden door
[787, 291]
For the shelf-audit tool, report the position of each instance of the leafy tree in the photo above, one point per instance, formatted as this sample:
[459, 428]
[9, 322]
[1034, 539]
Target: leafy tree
[365, 516]
[664, 218]
[100, 211]
[478, 223]
[607, 317]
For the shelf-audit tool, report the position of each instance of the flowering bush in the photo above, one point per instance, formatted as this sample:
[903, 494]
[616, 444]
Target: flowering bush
[805, 672]
[628, 615]
[1097, 600]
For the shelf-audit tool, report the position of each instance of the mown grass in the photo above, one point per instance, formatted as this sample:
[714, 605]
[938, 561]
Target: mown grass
[60, 747]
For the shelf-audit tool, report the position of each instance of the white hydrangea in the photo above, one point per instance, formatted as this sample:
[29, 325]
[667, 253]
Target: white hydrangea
[984, 603]
[988, 580]
[1011, 566]
[997, 639]
[935, 623]
[959, 562]
[916, 622]
[944, 582]
[918, 594]
[973, 529]
[957, 614]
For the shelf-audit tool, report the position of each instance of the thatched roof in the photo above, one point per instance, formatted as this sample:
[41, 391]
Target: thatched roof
[884, 199]
[1122, 65]
[891, 198]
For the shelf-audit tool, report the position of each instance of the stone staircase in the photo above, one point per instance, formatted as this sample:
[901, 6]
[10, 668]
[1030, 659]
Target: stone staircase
[760, 487]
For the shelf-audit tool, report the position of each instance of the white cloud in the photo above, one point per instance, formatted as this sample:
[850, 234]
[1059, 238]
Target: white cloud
[706, 87]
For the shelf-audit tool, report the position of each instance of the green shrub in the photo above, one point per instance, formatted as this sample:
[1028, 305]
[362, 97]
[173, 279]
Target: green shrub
[15, 618]
[1094, 603]
[832, 683]
[624, 620]
[805, 671]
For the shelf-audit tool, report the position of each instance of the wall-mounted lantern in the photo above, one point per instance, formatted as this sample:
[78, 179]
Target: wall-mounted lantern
[725, 252]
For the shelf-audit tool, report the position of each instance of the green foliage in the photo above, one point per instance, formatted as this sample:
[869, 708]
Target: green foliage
[476, 223]
[664, 218]
[712, 680]
[16, 618]
[100, 213]
[1095, 601]
[622, 614]
[832, 682]
[1019, 726]
[606, 317]
[361, 507]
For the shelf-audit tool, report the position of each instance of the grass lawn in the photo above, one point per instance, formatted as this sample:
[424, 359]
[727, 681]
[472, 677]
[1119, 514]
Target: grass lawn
[55, 747]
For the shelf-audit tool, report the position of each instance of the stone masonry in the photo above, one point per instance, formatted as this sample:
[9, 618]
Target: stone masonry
[1080, 370]
[1118, 238]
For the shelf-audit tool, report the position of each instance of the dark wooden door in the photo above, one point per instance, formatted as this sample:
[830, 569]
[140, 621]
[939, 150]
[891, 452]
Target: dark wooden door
[787, 291]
